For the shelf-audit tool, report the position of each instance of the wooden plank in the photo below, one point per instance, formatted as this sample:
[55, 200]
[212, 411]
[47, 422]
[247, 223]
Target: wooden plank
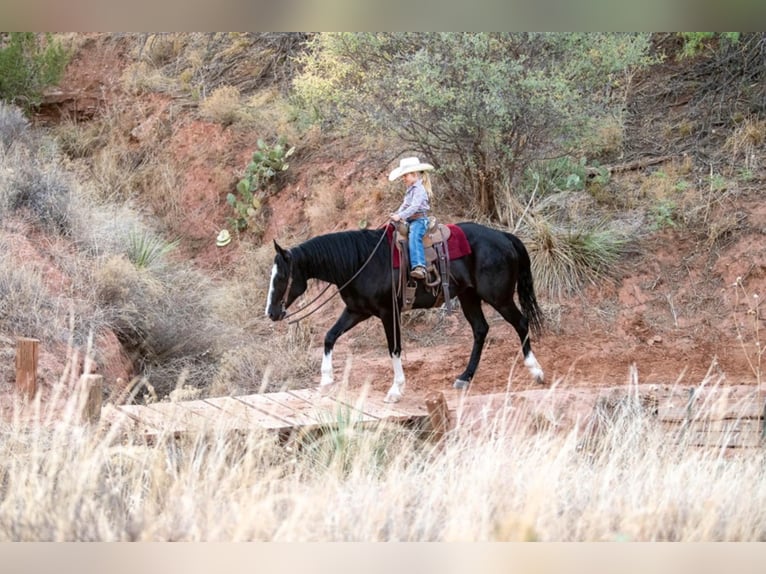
[302, 409]
[177, 418]
[711, 412]
[472, 410]
[330, 408]
[673, 414]
[112, 416]
[723, 438]
[247, 416]
[404, 410]
[147, 422]
[278, 410]
[730, 425]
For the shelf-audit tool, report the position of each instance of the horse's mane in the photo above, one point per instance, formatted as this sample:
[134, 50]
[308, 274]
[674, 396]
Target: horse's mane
[335, 257]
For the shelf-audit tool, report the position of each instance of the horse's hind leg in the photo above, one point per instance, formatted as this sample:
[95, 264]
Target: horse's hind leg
[346, 321]
[511, 313]
[470, 303]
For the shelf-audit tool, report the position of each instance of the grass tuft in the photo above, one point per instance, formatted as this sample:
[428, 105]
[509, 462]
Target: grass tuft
[563, 261]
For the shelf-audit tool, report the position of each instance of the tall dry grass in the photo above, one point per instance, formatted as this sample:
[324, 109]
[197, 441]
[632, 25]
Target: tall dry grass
[628, 481]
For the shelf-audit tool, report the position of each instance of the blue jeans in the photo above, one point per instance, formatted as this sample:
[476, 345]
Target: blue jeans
[418, 228]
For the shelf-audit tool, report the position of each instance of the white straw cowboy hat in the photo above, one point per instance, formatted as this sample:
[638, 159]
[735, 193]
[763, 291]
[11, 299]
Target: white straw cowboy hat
[224, 238]
[406, 165]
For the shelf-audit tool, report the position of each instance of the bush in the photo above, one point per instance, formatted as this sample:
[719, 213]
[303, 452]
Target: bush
[163, 316]
[480, 106]
[29, 63]
[14, 126]
[564, 260]
[26, 309]
[222, 106]
[44, 191]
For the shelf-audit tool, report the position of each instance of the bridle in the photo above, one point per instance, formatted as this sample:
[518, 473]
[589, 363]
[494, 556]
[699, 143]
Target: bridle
[285, 295]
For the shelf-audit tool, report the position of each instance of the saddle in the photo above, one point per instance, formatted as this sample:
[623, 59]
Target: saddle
[437, 263]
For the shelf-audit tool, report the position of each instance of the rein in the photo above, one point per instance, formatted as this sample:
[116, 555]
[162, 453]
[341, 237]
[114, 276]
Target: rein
[323, 303]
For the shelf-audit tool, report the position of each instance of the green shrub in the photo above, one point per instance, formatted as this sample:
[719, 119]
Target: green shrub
[481, 106]
[146, 249]
[695, 42]
[28, 64]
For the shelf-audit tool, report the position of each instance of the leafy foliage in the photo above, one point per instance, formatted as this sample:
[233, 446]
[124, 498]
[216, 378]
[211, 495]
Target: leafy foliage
[695, 42]
[480, 107]
[265, 167]
[29, 63]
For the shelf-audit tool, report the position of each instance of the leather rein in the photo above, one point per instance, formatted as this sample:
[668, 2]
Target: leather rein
[323, 303]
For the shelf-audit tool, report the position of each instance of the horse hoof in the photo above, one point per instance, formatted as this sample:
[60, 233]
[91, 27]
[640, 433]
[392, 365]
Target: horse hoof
[461, 384]
[392, 398]
[540, 379]
[326, 389]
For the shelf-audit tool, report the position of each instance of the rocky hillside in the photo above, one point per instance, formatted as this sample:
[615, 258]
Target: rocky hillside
[685, 303]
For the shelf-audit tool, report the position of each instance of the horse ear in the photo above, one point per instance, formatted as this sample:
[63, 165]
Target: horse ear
[281, 252]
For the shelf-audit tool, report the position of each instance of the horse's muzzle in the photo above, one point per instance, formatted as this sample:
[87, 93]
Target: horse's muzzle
[277, 315]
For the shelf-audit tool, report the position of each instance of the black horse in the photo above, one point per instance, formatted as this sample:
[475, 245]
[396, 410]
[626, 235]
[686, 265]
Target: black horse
[360, 263]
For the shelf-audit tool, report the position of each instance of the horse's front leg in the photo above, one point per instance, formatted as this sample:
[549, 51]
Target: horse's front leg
[394, 337]
[471, 306]
[347, 320]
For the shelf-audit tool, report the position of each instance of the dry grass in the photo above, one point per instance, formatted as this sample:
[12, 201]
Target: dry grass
[324, 208]
[222, 106]
[746, 143]
[506, 482]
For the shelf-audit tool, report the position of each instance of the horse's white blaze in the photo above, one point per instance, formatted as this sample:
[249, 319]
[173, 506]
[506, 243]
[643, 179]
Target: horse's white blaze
[397, 388]
[534, 367]
[271, 287]
[327, 378]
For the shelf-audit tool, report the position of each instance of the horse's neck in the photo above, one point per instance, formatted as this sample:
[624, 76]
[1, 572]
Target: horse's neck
[321, 264]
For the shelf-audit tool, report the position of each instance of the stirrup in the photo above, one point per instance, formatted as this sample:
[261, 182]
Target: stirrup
[437, 277]
[419, 272]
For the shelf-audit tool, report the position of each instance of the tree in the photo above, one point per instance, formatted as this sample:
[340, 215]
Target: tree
[480, 106]
[29, 63]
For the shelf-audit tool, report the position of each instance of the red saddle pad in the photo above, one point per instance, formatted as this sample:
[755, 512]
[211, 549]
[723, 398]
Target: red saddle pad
[457, 244]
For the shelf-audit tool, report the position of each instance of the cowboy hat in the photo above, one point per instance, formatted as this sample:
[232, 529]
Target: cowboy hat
[406, 165]
[224, 238]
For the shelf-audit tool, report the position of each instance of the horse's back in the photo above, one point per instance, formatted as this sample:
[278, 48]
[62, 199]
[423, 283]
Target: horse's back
[488, 244]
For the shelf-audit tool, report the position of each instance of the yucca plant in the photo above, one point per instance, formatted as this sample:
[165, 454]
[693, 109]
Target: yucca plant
[146, 249]
[563, 260]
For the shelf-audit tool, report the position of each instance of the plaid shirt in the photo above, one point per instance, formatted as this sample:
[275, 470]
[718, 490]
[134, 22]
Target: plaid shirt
[415, 201]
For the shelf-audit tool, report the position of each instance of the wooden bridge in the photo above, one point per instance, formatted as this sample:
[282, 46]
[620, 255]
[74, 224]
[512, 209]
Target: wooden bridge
[731, 416]
[282, 411]
[718, 415]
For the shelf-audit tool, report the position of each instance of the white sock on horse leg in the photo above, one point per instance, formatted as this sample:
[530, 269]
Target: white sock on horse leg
[327, 376]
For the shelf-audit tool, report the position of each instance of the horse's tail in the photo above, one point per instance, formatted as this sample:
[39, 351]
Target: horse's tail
[526, 288]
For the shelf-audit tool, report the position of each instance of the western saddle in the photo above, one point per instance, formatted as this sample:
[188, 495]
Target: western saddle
[437, 264]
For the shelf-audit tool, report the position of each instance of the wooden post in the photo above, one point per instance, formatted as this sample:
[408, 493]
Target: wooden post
[27, 350]
[91, 397]
[438, 415]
